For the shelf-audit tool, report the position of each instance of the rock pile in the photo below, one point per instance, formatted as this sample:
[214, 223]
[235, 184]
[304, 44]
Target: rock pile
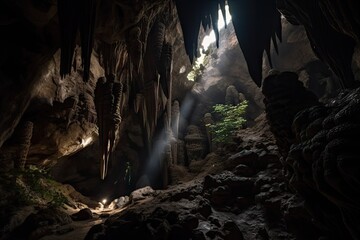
[249, 202]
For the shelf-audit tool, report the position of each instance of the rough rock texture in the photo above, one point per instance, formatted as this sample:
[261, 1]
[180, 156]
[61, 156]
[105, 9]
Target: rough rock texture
[63, 114]
[315, 74]
[319, 152]
[325, 18]
[194, 143]
[249, 202]
[227, 67]
[82, 168]
[285, 96]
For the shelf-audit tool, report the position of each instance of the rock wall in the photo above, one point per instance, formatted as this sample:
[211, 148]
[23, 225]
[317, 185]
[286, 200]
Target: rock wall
[318, 151]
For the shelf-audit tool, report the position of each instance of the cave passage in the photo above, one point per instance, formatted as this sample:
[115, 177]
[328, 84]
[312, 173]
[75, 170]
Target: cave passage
[179, 119]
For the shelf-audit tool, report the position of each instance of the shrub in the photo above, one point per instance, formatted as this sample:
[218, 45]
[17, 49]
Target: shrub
[33, 185]
[231, 119]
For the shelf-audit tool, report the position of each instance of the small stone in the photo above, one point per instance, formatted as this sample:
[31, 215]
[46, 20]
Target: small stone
[204, 209]
[163, 230]
[221, 195]
[214, 221]
[172, 217]
[245, 157]
[198, 235]
[122, 201]
[141, 194]
[232, 231]
[178, 233]
[244, 171]
[190, 222]
[214, 233]
[242, 202]
[262, 234]
[209, 182]
[83, 214]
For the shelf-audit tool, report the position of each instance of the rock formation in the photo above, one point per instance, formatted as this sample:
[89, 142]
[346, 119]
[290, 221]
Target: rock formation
[52, 54]
[24, 141]
[194, 143]
[208, 120]
[231, 95]
[318, 150]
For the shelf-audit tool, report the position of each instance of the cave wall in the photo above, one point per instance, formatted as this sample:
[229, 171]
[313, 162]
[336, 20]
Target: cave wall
[62, 108]
[227, 66]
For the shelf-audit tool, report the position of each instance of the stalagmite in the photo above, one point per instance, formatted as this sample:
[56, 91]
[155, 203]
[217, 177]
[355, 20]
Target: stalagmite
[175, 118]
[232, 95]
[208, 120]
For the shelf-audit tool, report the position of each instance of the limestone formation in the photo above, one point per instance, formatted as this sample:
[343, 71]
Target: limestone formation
[180, 152]
[232, 95]
[319, 148]
[208, 120]
[285, 96]
[194, 143]
[241, 97]
[175, 118]
[135, 48]
[24, 141]
[108, 97]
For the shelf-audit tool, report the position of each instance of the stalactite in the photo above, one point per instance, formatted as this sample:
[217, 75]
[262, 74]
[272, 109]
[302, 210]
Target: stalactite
[165, 68]
[103, 102]
[108, 104]
[74, 16]
[151, 62]
[343, 16]
[256, 23]
[68, 12]
[135, 48]
[26, 131]
[73, 101]
[255, 31]
[194, 13]
[87, 24]
[336, 49]
[109, 57]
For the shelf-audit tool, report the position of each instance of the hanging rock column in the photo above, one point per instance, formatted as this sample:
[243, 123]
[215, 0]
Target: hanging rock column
[26, 131]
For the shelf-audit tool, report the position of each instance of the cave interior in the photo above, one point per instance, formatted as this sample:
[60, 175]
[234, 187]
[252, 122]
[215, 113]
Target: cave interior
[180, 119]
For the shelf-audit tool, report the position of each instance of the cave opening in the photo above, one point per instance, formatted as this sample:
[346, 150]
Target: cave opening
[179, 119]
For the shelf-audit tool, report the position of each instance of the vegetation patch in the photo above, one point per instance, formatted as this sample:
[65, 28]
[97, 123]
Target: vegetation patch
[231, 118]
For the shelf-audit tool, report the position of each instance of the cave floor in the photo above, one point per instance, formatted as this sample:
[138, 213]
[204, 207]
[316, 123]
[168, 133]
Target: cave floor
[237, 195]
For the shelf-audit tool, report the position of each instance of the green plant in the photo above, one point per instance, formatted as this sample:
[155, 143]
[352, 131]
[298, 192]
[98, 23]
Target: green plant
[199, 66]
[231, 119]
[33, 185]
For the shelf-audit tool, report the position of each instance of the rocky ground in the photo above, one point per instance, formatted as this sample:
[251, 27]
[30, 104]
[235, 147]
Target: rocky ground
[234, 193]
[241, 197]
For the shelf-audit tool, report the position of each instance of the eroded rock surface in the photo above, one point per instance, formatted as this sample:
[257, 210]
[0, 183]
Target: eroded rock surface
[319, 152]
[248, 201]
